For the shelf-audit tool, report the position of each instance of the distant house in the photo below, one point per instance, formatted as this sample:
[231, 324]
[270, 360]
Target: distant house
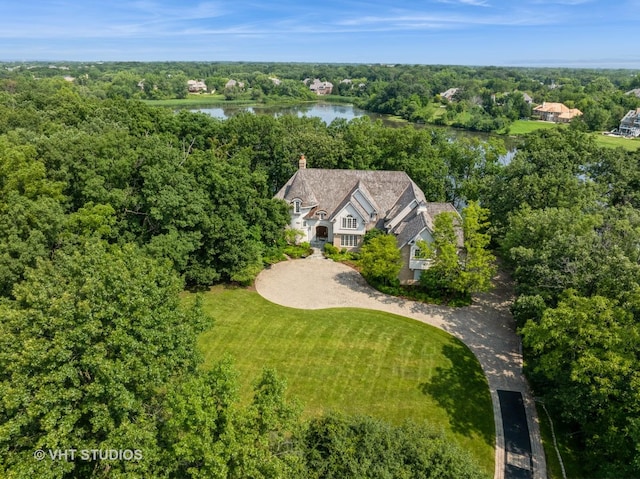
[196, 86]
[635, 91]
[340, 206]
[319, 87]
[234, 83]
[275, 81]
[449, 94]
[630, 124]
[556, 112]
[349, 81]
[527, 98]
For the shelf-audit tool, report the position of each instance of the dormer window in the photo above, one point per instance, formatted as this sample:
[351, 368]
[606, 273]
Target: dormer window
[349, 223]
[321, 214]
[296, 206]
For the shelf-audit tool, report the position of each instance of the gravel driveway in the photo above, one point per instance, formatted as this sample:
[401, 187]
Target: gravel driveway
[486, 327]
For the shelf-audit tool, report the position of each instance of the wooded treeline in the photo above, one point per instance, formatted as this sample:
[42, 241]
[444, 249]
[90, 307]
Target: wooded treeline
[566, 215]
[487, 98]
[105, 203]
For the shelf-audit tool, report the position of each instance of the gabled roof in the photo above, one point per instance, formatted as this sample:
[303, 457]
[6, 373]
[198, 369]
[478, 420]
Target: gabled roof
[450, 93]
[411, 192]
[329, 189]
[412, 226]
[367, 195]
[632, 115]
[421, 217]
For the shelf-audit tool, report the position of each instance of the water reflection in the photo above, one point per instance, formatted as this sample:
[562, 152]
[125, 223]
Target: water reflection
[328, 112]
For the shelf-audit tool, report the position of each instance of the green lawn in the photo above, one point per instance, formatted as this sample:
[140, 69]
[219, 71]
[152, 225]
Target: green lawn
[614, 142]
[197, 100]
[522, 127]
[356, 361]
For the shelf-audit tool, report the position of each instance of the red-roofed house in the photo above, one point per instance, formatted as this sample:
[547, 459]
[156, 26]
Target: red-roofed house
[556, 112]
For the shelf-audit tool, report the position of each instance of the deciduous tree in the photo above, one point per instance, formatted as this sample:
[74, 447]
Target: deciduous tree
[380, 259]
[89, 341]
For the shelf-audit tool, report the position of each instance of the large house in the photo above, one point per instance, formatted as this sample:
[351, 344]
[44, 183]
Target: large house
[635, 91]
[340, 206]
[449, 94]
[319, 87]
[556, 112]
[630, 124]
[196, 86]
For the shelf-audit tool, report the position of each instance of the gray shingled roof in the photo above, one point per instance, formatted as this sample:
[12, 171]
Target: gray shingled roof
[298, 187]
[328, 189]
[411, 192]
[419, 219]
[411, 227]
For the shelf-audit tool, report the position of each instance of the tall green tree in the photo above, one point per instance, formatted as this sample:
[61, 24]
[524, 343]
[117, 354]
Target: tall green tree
[459, 269]
[478, 263]
[31, 212]
[444, 272]
[85, 348]
[586, 355]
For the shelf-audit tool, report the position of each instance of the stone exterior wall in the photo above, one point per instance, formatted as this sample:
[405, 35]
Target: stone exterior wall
[406, 275]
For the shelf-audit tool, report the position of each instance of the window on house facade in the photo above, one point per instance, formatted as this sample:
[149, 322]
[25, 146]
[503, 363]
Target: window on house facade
[321, 214]
[349, 240]
[349, 223]
[296, 206]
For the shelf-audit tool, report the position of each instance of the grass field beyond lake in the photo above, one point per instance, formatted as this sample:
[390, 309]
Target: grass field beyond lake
[356, 361]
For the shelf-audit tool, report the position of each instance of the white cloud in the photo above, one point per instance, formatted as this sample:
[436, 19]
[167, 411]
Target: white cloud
[474, 3]
[561, 2]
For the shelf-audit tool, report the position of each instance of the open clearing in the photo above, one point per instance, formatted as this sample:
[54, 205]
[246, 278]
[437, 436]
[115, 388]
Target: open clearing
[356, 361]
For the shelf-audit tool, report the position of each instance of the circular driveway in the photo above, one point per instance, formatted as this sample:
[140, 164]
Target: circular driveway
[486, 327]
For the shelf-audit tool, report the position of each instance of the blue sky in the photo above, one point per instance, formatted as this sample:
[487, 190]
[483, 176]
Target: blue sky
[572, 33]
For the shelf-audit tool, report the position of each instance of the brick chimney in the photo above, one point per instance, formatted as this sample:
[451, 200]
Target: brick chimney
[302, 163]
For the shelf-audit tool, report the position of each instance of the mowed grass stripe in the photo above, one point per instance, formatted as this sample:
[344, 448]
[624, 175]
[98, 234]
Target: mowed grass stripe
[355, 361]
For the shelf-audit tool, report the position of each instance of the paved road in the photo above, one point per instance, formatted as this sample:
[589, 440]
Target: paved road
[486, 327]
[517, 438]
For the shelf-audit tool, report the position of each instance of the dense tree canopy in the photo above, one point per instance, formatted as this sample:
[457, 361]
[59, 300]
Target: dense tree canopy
[106, 202]
[568, 225]
[89, 338]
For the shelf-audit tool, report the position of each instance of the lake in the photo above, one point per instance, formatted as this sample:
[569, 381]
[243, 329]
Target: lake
[328, 112]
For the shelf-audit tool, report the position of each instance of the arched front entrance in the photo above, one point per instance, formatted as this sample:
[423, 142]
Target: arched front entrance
[322, 233]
